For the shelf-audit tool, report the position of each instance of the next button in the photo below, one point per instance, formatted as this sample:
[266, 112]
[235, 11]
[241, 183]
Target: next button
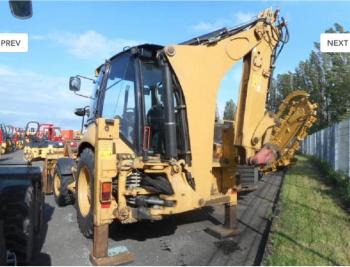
[335, 42]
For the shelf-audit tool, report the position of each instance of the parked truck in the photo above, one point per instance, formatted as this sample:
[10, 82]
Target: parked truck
[21, 197]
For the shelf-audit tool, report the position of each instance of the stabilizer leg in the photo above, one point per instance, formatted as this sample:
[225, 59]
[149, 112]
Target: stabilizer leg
[230, 225]
[100, 253]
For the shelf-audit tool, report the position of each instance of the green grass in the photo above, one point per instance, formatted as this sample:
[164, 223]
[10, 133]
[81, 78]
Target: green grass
[312, 226]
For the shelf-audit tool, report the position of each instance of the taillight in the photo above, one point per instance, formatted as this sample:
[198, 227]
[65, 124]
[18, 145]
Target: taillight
[106, 192]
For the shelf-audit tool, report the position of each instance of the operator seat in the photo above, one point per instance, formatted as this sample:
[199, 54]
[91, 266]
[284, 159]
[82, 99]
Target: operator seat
[155, 120]
[128, 124]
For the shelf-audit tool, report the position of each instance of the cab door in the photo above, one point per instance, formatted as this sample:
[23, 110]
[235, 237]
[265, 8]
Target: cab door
[120, 101]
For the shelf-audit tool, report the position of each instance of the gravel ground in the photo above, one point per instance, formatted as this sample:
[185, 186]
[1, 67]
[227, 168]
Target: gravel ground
[177, 240]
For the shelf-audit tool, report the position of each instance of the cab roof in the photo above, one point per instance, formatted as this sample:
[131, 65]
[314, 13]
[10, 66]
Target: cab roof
[150, 47]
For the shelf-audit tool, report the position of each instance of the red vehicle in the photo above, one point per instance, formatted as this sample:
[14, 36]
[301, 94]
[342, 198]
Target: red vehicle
[50, 132]
[67, 135]
[68, 138]
[44, 131]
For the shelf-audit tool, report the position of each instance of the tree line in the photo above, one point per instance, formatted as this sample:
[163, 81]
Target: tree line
[325, 76]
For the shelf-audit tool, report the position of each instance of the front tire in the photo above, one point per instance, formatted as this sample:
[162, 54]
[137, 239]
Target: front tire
[63, 196]
[85, 192]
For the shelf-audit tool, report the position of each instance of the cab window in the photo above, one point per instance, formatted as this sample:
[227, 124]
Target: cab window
[154, 105]
[95, 95]
[119, 99]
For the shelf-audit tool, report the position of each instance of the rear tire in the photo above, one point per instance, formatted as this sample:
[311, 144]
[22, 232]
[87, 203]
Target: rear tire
[85, 192]
[63, 196]
[18, 214]
[3, 254]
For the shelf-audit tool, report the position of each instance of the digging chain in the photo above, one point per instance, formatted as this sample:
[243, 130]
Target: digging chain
[295, 116]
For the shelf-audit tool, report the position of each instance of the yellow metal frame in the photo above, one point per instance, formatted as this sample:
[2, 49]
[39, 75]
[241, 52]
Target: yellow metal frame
[199, 70]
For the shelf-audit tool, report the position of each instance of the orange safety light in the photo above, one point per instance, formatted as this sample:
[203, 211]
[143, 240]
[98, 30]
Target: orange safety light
[106, 192]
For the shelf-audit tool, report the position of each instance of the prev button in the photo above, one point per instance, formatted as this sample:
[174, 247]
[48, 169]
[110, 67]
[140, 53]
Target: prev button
[13, 42]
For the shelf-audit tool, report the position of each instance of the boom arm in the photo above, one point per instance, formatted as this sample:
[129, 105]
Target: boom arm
[200, 65]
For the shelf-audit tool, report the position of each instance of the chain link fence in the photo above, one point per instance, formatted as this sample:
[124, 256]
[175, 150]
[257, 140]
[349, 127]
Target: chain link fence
[332, 145]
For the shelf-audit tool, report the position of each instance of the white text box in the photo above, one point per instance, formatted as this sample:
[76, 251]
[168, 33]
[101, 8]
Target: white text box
[13, 42]
[335, 42]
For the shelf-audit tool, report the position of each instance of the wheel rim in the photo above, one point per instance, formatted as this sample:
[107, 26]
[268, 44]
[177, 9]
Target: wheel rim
[56, 184]
[84, 196]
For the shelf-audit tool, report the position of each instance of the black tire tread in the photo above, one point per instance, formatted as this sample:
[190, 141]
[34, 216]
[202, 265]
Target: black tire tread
[86, 224]
[39, 208]
[17, 211]
[65, 197]
[3, 256]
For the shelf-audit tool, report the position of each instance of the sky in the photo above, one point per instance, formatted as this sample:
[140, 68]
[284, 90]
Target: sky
[67, 38]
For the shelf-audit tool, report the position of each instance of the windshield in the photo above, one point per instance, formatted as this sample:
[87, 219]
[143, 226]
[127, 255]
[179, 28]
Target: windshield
[95, 93]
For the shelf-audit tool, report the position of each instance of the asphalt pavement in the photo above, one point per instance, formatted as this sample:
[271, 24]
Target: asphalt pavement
[178, 240]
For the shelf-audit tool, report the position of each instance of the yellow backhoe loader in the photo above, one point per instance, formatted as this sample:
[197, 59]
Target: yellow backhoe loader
[44, 143]
[147, 151]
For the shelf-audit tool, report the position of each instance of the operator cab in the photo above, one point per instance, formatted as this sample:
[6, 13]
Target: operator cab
[130, 87]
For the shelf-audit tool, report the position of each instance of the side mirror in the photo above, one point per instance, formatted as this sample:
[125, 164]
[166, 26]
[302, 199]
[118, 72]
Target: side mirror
[74, 84]
[80, 112]
[85, 111]
[21, 9]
